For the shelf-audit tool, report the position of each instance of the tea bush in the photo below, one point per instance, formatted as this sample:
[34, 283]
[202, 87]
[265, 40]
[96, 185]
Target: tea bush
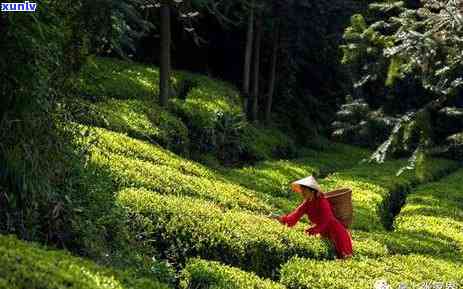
[27, 265]
[274, 176]
[143, 165]
[333, 156]
[133, 163]
[201, 274]
[263, 143]
[434, 211]
[137, 164]
[130, 172]
[430, 223]
[183, 227]
[210, 109]
[140, 119]
[180, 209]
[186, 227]
[118, 143]
[204, 103]
[406, 243]
[103, 78]
[364, 245]
[378, 192]
[412, 271]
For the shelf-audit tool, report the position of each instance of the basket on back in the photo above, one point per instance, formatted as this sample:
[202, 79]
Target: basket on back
[341, 202]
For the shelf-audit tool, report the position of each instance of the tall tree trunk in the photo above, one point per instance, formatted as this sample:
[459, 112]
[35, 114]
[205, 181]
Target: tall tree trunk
[255, 94]
[248, 58]
[164, 77]
[273, 70]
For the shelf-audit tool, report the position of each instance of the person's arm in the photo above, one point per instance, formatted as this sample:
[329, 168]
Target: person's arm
[325, 218]
[292, 218]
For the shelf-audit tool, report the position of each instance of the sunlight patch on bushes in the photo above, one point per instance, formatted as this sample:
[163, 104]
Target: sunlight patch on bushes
[130, 172]
[140, 119]
[121, 144]
[103, 78]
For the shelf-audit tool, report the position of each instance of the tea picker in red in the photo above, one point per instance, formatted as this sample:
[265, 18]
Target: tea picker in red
[331, 214]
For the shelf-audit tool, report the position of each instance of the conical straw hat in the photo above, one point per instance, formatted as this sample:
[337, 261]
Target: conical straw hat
[307, 182]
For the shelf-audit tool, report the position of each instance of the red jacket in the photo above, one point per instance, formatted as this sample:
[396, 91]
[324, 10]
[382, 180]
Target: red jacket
[320, 213]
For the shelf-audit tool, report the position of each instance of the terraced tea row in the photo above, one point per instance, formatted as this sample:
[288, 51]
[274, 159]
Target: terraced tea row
[377, 190]
[428, 237]
[208, 274]
[134, 163]
[395, 271]
[191, 227]
[435, 212]
[26, 265]
[412, 271]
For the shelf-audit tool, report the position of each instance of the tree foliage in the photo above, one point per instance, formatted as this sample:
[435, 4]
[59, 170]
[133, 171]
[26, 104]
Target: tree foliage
[402, 45]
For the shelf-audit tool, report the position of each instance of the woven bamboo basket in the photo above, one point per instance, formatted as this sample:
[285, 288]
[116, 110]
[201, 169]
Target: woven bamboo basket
[341, 203]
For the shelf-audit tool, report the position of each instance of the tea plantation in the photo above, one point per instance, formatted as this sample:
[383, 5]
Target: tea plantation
[161, 206]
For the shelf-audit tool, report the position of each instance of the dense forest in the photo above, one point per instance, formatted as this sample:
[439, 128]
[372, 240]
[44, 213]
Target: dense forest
[148, 143]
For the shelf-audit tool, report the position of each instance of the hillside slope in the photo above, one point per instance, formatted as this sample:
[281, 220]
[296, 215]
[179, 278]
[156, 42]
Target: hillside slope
[181, 195]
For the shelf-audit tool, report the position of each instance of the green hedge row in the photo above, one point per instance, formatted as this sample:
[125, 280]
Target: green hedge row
[272, 179]
[205, 99]
[201, 274]
[263, 143]
[378, 192]
[412, 271]
[430, 223]
[26, 265]
[204, 108]
[210, 109]
[129, 172]
[118, 143]
[409, 242]
[140, 119]
[274, 176]
[131, 163]
[146, 165]
[434, 211]
[189, 227]
[334, 156]
[103, 78]
[385, 174]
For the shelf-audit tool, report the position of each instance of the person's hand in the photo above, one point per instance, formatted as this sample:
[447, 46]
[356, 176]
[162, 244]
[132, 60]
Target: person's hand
[274, 216]
[310, 231]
